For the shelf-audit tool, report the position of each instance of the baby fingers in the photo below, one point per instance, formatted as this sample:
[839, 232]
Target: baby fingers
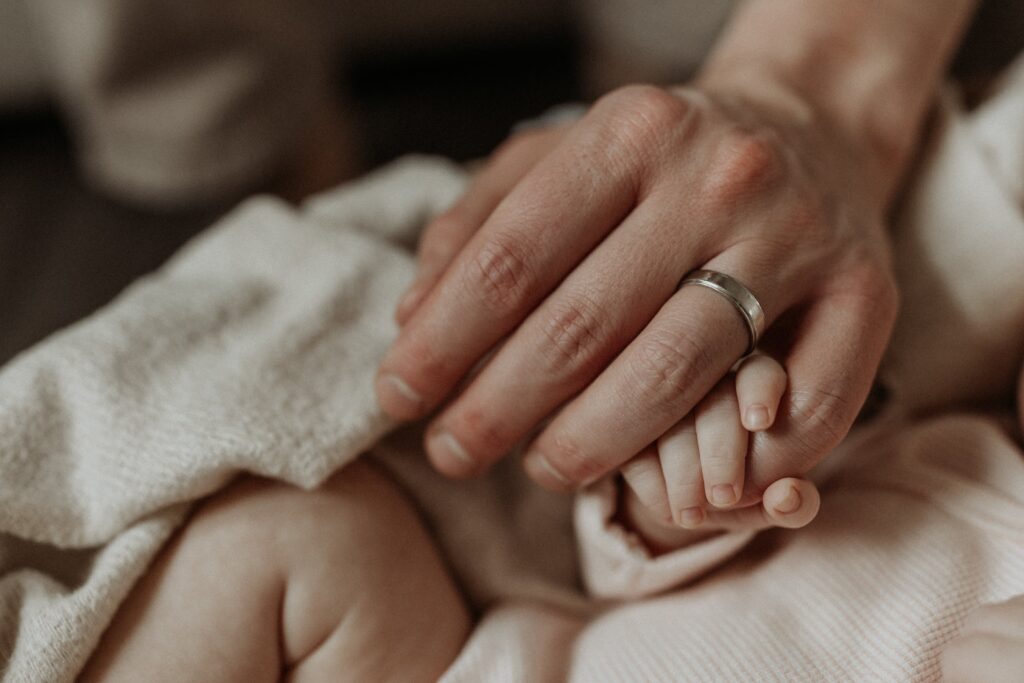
[681, 468]
[789, 503]
[722, 443]
[760, 384]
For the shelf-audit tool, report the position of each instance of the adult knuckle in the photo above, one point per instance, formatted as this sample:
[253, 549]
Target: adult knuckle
[744, 165]
[571, 461]
[642, 114]
[876, 285]
[667, 366]
[500, 275]
[573, 335]
[821, 418]
[656, 105]
[808, 215]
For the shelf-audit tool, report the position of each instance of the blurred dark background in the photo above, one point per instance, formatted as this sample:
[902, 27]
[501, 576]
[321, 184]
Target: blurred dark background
[66, 249]
[453, 89]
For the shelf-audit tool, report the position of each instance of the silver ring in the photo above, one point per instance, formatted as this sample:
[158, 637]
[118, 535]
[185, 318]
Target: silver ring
[738, 295]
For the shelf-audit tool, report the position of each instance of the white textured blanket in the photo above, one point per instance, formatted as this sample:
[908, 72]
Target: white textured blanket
[254, 350]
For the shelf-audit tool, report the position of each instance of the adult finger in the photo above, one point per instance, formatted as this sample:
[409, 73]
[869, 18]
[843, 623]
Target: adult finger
[449, 232]
[836, 350]
[652, 384]
[565, 343]
[547, 224]
[674, 362]
[599, 308]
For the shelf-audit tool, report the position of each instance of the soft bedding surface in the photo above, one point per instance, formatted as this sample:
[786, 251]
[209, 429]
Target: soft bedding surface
[254, 350]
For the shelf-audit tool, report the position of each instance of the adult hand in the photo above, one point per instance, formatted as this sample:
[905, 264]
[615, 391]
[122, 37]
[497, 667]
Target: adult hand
[557, 274]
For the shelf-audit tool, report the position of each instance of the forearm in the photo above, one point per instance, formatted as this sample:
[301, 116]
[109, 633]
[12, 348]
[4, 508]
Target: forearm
[870, 66]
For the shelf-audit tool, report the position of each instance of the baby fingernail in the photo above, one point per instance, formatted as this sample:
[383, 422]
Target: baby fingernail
[723, 495]
[756, 417]
[398, 398]
[790, 502]
[691, 518]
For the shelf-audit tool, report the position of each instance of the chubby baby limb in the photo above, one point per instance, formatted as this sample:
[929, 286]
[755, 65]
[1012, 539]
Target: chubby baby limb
[267, 582]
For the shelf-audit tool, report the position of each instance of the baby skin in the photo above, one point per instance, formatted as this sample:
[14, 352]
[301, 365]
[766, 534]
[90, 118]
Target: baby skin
[267, 582]
[688, 484]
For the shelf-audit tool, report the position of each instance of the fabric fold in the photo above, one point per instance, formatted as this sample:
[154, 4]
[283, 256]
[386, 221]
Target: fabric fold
[254, 350]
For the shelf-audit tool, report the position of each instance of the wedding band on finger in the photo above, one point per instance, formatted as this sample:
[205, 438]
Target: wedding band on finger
[739, 296]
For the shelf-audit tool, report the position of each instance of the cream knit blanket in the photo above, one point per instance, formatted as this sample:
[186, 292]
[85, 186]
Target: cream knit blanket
[254, 350]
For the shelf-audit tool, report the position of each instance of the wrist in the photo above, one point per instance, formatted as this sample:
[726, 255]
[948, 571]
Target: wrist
[874, 159]
[867, 70]
[878, 146]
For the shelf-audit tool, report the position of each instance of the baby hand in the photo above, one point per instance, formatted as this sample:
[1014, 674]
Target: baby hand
[696, 473]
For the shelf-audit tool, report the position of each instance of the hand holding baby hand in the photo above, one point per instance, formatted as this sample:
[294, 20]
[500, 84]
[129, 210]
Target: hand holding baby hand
[692, 478]
[699, 464]
[554, 282]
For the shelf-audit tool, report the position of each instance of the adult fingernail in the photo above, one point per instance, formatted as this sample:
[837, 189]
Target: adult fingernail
[449, 454]
[543, 472]
[723, 495]
[397, 398]
[691, 518]
[790, 502]
[756, 418]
